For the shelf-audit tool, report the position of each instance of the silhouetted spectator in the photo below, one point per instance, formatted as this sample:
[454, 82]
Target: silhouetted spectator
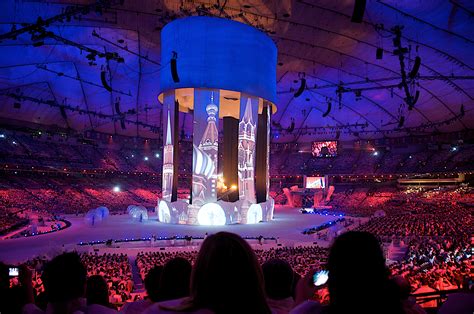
[358, 279]
[279, 278]
[97, 295]
[64, 282]
[226, 278]
[175, 277]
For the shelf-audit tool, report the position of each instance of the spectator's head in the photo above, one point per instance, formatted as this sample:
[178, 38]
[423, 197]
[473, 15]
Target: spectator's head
[278, 276]
[175, 277]
[64, 278]
[358, 276]
[152, 283]
[226, 276]
[97, 291]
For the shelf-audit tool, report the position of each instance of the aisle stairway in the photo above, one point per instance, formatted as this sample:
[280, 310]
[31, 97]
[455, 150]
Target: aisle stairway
[137, 280]
[397, 252]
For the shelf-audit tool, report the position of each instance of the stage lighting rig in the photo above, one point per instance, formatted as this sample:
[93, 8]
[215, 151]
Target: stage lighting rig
[45, 68]
[39, 33]
[97, 35]
[400, 51]
[68, 13]
[63, 107]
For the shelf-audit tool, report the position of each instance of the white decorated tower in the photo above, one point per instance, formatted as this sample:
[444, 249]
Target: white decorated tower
[210, 146]
[168, 162]
[246, 169]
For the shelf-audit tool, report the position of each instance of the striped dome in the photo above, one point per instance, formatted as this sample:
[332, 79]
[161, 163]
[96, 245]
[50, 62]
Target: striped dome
[203, 164]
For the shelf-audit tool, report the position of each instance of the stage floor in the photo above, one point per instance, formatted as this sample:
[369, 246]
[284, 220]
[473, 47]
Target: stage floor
[287, 226]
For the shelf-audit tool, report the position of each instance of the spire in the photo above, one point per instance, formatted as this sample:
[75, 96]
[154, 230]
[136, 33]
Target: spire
[211, 134]
[248, 112]
[168, 131]
[211, 109]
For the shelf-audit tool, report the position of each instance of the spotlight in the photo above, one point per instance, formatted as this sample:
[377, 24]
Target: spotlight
[413, 100]
[379, 54]
[117, 106]
[157, 155]
[233, 187]
[454, 149]
[376, 153]
[292, 126]
[174, 67]
[358, 13]
[301, 88]
[116, 189]
[2, 135]
[104, 81]
[63, 112]
[146, 158]
[325, 114]
[401, 122]
[415, 68]
[358, 94]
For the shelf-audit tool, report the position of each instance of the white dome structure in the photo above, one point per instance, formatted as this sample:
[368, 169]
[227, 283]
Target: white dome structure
[139, 212]
[211, 214]
[254, 215]
[164, 214]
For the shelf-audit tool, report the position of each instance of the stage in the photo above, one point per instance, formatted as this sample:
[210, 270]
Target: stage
[287, 225]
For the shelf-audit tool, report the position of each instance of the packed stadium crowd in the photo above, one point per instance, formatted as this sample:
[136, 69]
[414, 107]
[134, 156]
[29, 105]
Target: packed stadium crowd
[43, 151]
[436, 264]
[301, 259]
[433, 226]
[147, 260]
[437, 258]
[116, 271]
[278, 280]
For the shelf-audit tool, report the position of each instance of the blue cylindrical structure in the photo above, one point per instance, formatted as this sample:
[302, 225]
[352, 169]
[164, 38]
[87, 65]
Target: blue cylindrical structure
[215, 68]
[219, 53]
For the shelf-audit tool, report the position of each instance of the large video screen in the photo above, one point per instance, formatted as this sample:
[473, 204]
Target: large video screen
[315, 183]
[324, 149]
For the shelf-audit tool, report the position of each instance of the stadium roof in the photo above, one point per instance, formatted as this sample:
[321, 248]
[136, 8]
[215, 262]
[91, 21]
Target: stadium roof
[94, 65]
